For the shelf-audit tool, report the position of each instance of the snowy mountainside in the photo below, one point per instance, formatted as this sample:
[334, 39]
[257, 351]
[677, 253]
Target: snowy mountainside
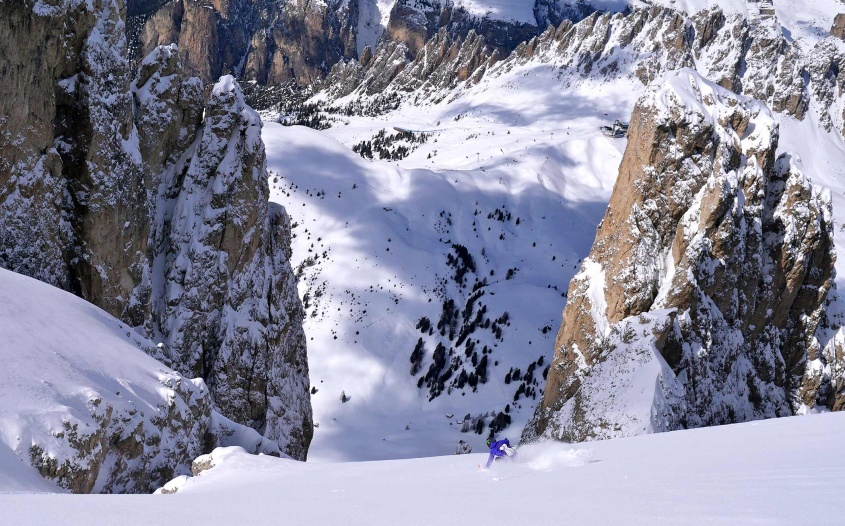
[767, 58]
[755, 473]
[84, 405]
[514, 121]
[518, 177]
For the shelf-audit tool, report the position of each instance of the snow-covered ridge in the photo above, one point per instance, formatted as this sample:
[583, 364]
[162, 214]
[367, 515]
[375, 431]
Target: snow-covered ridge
[766, 59]
[83, 405]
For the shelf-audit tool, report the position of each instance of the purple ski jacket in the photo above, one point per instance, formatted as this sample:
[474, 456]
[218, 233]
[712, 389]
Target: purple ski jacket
[495, 451]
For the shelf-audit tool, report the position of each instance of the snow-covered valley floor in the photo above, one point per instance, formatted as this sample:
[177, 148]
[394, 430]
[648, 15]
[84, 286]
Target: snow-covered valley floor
[767, 472]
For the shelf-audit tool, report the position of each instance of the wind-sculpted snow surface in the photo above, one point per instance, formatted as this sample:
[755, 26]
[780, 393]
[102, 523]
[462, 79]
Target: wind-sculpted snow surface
[151, 203]
[699, 302]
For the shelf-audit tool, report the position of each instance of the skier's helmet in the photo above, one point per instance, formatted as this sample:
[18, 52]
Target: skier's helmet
[489, 441]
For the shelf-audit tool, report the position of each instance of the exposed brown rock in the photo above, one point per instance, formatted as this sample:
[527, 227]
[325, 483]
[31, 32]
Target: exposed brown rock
[267, 41]
[105, 188]
[838, 29]
[729, 253]
[73, 208]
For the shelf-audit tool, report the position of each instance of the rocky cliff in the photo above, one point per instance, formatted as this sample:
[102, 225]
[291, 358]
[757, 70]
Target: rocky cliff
[440, 65]
[266, 40]
[149, 199]
[224, 301]
[300, 41]
[71, 183]
[700, 300]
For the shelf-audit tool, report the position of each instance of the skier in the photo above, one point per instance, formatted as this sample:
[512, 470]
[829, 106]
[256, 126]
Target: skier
[499, 449]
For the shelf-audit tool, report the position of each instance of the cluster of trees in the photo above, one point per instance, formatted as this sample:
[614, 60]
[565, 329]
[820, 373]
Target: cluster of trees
[392, 147]
[478, 423]
[290, 101]
[528, 382]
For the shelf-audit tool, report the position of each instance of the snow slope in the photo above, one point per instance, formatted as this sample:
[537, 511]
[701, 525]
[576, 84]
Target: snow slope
[525, 140]
[66, 364]
[79, 385]
[17, 476]
[755, 473]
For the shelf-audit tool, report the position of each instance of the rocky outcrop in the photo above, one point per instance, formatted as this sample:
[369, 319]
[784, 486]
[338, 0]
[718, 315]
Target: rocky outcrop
[71, 184]
[827, 82]
[151, 202]
[110, 452]
[100, 415]
[752, 59]
[224, 296]
[268, 41]
[838, 29]
[414, 23]
[700, 300]
[442, 64]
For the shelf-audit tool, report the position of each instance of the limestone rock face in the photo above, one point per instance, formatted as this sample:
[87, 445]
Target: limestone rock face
[224, 301]
[827, 82]
[150, 201]
[838, 29]
[300, 41]
[700, 300]
[441, 64]
[169, 109]
[264, 40]
[72, 195]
